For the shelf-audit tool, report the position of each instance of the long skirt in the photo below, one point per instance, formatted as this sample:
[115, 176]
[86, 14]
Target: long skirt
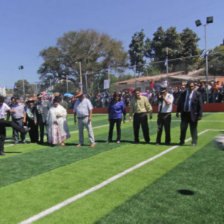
[55, 135]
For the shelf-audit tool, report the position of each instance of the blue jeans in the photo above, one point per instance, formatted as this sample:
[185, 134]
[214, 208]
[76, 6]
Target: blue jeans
[16, 133]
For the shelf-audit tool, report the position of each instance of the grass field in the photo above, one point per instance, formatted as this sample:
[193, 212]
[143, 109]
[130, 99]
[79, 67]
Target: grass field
[183, 185]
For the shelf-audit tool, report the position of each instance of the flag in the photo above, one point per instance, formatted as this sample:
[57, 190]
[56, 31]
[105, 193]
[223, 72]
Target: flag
[204, 54]
[207, 53]
[166, 61]
[152, 85]
[106, 84]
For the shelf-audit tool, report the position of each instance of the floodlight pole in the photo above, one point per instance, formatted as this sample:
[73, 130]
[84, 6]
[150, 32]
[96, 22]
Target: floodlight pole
[198, 23]
[206, 62]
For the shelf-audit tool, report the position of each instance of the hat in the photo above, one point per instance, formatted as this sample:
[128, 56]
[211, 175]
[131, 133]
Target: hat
[39, 95]
[78, 94]
[163, 89]
[57, 99]
[31, 99]
[2, 99]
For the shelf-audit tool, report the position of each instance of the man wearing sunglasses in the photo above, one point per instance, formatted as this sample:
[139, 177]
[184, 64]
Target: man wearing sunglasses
[190, 107]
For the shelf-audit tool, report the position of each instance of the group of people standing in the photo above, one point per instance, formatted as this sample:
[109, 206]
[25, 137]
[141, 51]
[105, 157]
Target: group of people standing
[43, 115]
[189, 105]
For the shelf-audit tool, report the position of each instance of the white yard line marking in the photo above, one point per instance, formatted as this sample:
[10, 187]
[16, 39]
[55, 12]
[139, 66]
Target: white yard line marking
[101, 185]
[72, 132]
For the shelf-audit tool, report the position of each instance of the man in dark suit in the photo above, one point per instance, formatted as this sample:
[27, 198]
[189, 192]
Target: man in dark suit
[190, 106]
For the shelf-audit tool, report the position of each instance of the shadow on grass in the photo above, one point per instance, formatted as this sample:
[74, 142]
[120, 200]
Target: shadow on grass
[12, 152]
[186, 192]
[133, 142]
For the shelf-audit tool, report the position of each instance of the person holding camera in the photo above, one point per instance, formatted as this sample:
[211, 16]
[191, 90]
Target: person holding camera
[165, 107]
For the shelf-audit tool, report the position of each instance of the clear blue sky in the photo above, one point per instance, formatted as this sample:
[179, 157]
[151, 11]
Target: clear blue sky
[29, 26]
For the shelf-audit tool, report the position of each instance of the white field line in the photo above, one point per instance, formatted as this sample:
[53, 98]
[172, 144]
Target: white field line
[97, 187]
[72, 132]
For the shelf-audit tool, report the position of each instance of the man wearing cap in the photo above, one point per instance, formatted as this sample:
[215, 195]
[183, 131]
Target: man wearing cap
[19, 117]
[43, 106]
[165, 106]
[83, 111]
[190, 105]
[139, 106]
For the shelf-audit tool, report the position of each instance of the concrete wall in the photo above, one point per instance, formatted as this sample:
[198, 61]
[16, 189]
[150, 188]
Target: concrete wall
[211, 107]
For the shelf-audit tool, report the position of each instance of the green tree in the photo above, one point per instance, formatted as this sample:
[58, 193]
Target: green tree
[18, 90]
[174, 45]
[215, 61]
[189, 40]
[137, 51]
[158, 45]
[61, 87]
[95, 51]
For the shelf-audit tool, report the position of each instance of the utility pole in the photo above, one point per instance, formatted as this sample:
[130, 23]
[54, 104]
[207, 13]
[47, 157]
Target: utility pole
[21, 67]
[167, 65]
[86, 78]
[66, 83]
[80, 75]
[135, 75]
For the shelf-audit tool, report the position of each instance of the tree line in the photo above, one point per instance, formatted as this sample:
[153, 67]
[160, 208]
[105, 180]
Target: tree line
[98, 57]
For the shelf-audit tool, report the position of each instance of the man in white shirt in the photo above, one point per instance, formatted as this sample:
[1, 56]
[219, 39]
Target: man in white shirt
[165, 107]
[83, 111]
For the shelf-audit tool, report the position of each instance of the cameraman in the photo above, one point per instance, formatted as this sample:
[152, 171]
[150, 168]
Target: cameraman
[165, 106]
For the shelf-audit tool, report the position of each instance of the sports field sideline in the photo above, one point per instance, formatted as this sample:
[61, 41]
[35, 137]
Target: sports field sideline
[183, 184]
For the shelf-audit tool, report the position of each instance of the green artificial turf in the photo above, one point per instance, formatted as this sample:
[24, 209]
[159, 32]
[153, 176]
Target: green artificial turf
[193, 192]
[40, 176]
[92, 207]
[43, 159]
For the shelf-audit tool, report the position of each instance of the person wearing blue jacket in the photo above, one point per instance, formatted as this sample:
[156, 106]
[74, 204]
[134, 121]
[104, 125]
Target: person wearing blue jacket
[115, 110]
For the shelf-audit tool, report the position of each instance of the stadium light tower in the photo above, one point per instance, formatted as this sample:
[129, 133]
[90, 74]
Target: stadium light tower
[198, 23]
